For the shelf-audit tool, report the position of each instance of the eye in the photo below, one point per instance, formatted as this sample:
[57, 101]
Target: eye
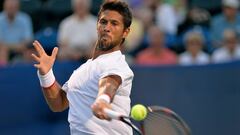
[103, 22]
[114, 23]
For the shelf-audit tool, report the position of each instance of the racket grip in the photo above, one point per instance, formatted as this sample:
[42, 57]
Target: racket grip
[112, 114]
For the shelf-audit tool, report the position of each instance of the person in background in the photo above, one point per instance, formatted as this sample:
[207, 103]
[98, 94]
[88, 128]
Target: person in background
[194, 55]
[156, 53]
[166, 18]
[180, 8]
[3, 56]
[229, 19]
[77, 33]
[230, 50]
[15, 31]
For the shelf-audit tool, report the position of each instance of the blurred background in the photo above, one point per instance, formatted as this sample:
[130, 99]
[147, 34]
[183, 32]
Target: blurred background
[185, 55]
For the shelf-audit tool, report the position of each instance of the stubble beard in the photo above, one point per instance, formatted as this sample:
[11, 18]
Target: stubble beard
[105, 46]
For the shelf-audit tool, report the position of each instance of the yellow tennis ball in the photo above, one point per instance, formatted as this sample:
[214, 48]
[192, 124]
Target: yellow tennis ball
[138, 112]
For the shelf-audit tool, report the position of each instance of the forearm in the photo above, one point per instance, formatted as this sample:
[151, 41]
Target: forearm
[109, 86]
[55, 97]
[107, 89]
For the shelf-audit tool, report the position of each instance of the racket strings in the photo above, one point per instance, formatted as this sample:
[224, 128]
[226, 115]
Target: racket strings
[159, 123]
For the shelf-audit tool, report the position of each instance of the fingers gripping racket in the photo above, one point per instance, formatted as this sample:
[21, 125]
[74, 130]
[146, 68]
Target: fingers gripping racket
[159, 121]
[126, 119]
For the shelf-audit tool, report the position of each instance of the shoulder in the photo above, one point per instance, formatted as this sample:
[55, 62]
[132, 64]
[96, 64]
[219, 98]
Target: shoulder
[204, 55]
[165, 7]
[144, 52]
[218, 19]
[92, 18]
[91, 22]
[23, 15]
[219, 50]
[2, 18]
[23, 18]
[219, 53]
[114, 64]
[2, 15]
[68, 20]
[238, 49]
[184, 55]
[238, 16]
[170, 52]
[114, 59]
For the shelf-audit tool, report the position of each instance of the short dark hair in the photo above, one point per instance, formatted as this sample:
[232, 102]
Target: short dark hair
[121, 7]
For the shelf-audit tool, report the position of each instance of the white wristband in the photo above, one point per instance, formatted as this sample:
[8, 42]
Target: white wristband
[104, 97]
[46, 80]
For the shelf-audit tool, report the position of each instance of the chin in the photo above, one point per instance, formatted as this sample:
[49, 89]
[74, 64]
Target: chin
[104, 46]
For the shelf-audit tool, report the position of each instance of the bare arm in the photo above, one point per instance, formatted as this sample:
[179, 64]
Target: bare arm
[108, 86]
[55, 97]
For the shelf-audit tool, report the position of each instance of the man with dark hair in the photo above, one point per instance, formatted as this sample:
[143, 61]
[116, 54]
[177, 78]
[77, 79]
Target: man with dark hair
[104, 81]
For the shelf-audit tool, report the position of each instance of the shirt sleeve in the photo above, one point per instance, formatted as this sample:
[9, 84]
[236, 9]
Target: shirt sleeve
[65, 87]
[113, 68]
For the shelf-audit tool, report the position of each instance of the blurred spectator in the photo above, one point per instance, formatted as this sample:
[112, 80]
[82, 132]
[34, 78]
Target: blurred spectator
[230, 50]
[145, 16]
[230, 18]
[166, 18]
[136, 34]
[195, 17]
[77, 33]
[180, 8]
[156, 53]
[15, 31]
[26, 58]
[194, 55]
[3, 56]
[109, 0]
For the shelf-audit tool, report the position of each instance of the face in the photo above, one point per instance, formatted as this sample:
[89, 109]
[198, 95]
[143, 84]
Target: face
[156, 37]
[81, 7]
[194, 46]
[111, 30]
[11, 7]
[231, 43]
[230, 12]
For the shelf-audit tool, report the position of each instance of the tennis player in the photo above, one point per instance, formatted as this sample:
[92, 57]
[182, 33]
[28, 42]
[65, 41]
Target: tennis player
[104, 81]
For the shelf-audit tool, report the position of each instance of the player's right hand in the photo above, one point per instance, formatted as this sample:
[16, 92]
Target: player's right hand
[98, 109]
[44, 61]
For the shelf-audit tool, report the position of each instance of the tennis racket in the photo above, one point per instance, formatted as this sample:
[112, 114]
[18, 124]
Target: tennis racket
[159, 121]
[163, 121]
[126, 119]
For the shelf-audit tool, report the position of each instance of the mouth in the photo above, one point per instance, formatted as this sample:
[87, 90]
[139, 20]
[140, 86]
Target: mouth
[105, 37]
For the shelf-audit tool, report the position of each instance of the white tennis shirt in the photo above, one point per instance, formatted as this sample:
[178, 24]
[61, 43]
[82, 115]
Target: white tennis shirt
[82, 90]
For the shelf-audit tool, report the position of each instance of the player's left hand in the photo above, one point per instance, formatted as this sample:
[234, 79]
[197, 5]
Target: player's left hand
[98, 108]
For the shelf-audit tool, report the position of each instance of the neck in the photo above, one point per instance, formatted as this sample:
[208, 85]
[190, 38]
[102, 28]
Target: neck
[81, 16]
[10, 18]
[231, 18]
[97, 52]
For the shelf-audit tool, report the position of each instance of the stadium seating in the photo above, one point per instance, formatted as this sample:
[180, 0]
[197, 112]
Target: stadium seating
[206, 97]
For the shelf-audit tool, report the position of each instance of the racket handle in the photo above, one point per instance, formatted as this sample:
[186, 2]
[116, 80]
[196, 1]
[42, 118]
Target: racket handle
[112, 114]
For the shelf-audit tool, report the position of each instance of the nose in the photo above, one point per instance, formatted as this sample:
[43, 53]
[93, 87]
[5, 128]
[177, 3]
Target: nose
[107, 27]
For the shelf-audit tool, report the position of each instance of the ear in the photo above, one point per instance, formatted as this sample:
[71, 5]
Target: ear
[126, 32]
